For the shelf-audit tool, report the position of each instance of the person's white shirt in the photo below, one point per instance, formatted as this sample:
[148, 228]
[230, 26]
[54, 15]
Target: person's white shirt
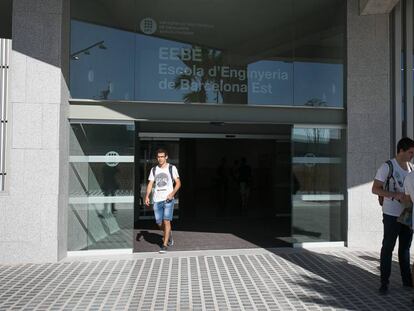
[392, 207]
[163, 182]
[409, 187]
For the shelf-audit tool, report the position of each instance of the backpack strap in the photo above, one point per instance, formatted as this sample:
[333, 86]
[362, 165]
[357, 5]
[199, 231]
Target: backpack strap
[170, 168]
[390, 175]
[410, 165]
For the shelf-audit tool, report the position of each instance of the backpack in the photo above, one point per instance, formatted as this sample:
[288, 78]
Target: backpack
[387, 181]
[170, 169]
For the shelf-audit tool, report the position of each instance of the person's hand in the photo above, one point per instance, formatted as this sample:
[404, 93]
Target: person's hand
[407, 199]
[399, 196]
[147, 201]
[170, 197]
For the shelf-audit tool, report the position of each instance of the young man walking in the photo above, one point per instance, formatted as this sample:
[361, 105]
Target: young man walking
[389, 184]
[162, 178]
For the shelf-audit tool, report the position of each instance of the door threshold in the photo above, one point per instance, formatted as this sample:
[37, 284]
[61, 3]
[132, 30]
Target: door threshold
[310, 245]
[97, 255]
[100, 252]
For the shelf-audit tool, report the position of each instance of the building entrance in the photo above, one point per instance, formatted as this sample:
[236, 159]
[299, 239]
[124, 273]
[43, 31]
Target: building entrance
[244, 185]
[236, 186]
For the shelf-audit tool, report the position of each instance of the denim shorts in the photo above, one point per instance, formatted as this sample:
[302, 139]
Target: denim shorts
[163, 211]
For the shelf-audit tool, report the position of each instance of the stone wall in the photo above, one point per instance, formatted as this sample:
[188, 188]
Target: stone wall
[34, 207]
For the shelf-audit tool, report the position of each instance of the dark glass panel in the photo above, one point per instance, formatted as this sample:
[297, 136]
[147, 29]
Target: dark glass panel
[102, 50]
[319, 47]
[271, 52]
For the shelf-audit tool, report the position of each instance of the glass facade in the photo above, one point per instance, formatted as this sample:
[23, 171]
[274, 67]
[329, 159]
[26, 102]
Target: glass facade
[402, 34]
[270, 52]
[318, 191]
[101, 186]
[257, 53]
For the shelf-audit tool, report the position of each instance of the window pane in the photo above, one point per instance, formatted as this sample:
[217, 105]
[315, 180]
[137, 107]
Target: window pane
[319, 52]
[101, 189]
[213, 53]
[101, 52]
[319, 183]
[271, 52]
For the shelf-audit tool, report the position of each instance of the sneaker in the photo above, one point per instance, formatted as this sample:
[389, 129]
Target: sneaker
[163, 249]
[383, 290]
[170, 240]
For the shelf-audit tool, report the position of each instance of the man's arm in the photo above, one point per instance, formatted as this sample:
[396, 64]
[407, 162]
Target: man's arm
[149, 188]
[408, 188]
[176, 188]
[377, 188]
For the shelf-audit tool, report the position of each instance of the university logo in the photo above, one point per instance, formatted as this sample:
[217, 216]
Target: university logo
[112, 155]
[148, 26]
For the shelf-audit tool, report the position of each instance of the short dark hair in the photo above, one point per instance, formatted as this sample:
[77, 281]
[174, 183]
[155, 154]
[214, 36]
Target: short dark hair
[404, 144]
[161, 150]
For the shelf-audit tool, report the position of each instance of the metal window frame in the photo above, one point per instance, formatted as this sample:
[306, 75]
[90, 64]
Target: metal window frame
[409, 66]
[397, 47]
[402, 56]
[5, 52]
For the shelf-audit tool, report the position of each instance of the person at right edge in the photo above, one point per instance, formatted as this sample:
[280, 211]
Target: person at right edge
[409, 190]
[389, 184]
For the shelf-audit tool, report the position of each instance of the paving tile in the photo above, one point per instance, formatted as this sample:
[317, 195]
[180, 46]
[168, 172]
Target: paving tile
[291, 280]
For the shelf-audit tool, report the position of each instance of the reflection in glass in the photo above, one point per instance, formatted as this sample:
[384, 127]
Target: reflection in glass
[318, 85]
[319, 52]
[101, 195]
[318, 183]
[275, 52]
[102, 62]
[270, 82]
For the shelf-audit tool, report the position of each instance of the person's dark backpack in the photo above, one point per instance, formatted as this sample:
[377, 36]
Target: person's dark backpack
[170, 168]
[387, 181]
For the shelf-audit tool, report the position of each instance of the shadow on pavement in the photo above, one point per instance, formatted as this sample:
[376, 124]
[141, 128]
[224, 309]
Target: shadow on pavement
[149, 237]
[345, 283]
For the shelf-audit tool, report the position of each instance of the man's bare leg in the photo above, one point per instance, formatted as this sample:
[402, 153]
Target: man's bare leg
[161, 226]
[167, 231]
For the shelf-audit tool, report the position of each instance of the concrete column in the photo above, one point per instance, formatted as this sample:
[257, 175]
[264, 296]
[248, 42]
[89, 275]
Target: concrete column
[368, 7]
[369, 121]
[33, 210]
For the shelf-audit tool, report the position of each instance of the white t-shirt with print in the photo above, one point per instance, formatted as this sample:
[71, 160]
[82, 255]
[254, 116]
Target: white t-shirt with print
[392, 207]
[163, 184]
[409, 187]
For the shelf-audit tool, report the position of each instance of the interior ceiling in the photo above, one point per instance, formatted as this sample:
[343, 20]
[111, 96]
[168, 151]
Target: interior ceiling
[257, 28]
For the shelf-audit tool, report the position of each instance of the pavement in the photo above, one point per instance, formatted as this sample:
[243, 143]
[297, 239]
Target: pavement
[249, 279]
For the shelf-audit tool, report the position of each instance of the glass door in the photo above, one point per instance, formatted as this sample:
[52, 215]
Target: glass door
[235, 187]
[101, 186]
[318, 184]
